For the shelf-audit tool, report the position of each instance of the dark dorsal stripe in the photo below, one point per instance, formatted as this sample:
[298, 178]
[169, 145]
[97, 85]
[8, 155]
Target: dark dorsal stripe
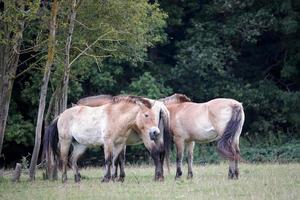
[131, 99]
[176, 98]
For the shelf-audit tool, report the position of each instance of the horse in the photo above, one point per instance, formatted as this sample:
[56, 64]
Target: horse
[161, 142]
[109, 125]
[219, 120]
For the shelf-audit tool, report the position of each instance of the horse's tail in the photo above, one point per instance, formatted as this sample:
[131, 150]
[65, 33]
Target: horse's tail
[166, 136]
[228, 145]
[51, 141]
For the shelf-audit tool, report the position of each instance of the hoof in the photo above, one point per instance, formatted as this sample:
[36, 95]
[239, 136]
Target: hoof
[190, 175]
[178, 175]
[233, 175]
[77, 178]
[64, 178]
[121, 179]
[105, 180]
[114, 178]
[159, 178]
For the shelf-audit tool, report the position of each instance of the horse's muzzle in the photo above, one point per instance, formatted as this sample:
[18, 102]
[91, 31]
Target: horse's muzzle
[154, 133]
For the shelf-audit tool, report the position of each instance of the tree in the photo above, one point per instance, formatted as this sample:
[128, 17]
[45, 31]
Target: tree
[44, 87]
[14, 14]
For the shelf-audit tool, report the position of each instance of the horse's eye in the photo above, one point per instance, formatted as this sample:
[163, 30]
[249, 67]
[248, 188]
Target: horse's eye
[146, 115]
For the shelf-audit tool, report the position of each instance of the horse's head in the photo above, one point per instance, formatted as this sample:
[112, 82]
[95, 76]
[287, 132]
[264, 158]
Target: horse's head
[147, 121]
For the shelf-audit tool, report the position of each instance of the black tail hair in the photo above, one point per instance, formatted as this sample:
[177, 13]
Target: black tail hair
[164, 119]
[51, 139]
[226, 146]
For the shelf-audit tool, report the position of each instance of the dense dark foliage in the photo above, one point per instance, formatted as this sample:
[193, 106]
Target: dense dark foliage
[246, 50]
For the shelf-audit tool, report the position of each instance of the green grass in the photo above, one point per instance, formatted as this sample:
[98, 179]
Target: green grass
[261, 181]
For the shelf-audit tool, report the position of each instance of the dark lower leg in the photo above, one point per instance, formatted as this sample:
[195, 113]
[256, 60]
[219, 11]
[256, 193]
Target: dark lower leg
[64, 171]
[233, 172]
[162, 157]
[155, 156]
[179, 157]
[237, 171]
[107, 175]
[190, 160]
[122, 165]
[77, 175]
[116, 164]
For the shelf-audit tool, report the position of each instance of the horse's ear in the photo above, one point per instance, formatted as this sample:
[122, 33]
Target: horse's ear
[146, 103]
[73, 104]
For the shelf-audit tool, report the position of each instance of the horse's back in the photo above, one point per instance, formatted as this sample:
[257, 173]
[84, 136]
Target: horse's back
[202, 122]
[85, 124]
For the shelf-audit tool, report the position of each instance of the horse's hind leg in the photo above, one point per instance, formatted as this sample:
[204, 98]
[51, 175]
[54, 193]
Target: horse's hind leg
[78, 150]
[233, 172]
[64, 151]
[190, 159]
[180, 151]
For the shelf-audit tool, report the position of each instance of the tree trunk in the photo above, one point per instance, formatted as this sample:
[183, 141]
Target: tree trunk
[65, 83]
[9, 57]
[43, 93]
[61, 92]
[17, 173]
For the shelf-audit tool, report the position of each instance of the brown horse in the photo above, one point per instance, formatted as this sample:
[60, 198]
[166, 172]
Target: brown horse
[161, 141]
[216, 120]
[109, 125]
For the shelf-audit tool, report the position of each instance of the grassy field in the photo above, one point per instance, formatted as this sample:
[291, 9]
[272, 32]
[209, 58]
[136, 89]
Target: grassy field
[261, 181]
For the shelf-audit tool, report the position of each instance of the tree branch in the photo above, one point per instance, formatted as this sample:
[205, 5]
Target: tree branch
[88, 47]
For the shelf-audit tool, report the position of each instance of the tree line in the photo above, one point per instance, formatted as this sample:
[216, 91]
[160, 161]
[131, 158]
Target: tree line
[55, 52]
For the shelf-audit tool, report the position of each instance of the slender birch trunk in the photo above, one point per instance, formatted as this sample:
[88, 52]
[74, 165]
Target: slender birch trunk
[67, 67]
[43, 93]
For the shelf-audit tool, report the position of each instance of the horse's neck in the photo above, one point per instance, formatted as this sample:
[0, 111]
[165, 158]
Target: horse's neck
[123, 114]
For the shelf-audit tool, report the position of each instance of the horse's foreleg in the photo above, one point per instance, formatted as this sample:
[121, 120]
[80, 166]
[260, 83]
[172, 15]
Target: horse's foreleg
[155, 154]
[122, 164]
[180, 150]
[108, 154]
[115, 168]
[190, 159]
[118, 148]
[162, 158]
[78, 150]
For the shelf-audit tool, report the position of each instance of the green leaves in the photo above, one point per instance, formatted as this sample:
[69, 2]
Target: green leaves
[19, 131]
[147, 85]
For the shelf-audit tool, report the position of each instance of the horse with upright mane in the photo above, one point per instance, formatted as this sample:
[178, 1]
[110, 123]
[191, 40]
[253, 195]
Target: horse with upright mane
[160, 141]
[216, 120]
[109, 125]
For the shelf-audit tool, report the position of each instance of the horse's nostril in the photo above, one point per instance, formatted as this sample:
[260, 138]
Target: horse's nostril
[154, 134]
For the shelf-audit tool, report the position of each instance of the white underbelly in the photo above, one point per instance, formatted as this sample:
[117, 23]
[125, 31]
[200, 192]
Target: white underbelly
[204, 135]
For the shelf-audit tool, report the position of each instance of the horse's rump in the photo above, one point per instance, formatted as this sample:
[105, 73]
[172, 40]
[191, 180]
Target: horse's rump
[228, 143]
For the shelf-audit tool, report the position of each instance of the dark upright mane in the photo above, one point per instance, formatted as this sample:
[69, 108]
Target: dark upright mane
[175, 98]
[131, 99]
[86, 100]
